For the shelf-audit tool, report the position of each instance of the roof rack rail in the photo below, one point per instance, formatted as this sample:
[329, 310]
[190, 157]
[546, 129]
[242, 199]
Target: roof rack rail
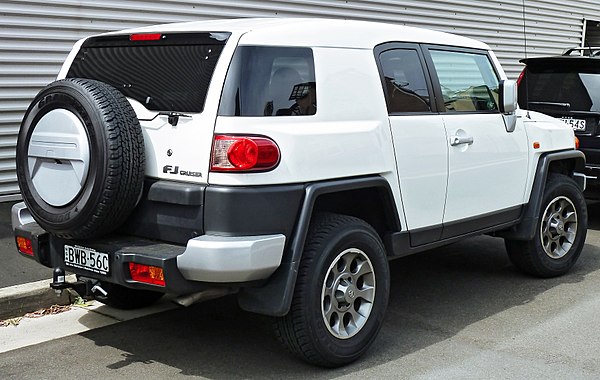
[591, 51]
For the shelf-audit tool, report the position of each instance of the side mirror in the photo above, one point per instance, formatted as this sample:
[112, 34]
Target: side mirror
[508, 96]
[508, 103]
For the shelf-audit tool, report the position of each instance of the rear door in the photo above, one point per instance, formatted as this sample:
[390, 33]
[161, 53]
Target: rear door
[166, 77]
[487, 165]
[419, 138]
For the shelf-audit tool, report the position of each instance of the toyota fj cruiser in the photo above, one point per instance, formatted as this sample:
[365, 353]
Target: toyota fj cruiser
[286, 160]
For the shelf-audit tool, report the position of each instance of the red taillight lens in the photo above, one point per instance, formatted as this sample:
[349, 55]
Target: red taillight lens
[244, 153]
[145, 37]
[24, 245]
[147, 274]
[576, 142]
[520, 77]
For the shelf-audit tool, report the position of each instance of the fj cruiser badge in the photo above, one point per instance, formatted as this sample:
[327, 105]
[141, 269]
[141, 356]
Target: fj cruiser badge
[168, 169]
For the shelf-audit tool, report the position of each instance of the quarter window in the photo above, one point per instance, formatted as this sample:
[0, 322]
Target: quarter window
[270, 81]
[468, 81]
[404, 81]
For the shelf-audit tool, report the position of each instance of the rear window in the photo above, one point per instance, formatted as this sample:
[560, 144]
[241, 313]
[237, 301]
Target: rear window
[270, 81]
[169, 74]
[577, 88]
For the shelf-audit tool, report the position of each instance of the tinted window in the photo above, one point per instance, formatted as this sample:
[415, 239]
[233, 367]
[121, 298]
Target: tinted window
[468, 81]
[404, 81]
[172, 74]
[270, 81]
[561, 84]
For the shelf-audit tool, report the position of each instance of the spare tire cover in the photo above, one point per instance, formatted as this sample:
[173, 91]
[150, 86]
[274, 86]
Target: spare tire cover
[80, 158]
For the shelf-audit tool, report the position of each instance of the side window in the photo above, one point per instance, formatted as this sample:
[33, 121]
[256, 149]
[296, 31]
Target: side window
[468, 81]
[404, 81]
[270, 81]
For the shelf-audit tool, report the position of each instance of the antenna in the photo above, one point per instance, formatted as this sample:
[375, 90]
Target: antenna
[525, 47]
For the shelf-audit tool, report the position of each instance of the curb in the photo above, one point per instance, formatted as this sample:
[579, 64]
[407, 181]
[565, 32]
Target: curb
[18, 300]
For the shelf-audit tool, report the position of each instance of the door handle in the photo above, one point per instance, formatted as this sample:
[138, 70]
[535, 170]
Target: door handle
[458, 140]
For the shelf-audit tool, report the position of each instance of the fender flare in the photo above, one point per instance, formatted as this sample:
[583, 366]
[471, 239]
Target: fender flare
[275, 297]
[525, 230]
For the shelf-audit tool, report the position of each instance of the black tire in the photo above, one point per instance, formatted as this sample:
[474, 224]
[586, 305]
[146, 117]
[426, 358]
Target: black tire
[114, 171]
[124, 298]
[306, 330]
[560, 232]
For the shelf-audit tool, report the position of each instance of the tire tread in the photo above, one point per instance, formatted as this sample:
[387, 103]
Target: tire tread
[291, 330]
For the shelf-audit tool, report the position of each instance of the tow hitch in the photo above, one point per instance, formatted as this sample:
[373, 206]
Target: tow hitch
[85, 287]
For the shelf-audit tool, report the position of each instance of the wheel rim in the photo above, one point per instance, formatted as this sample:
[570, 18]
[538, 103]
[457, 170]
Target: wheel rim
[58, 157]
[348, 293]
[559, 227]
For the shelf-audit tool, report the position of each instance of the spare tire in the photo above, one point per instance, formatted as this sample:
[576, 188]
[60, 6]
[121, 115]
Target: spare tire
[80, 158]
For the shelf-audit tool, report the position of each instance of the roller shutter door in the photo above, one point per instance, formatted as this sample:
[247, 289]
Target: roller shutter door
[35, 36]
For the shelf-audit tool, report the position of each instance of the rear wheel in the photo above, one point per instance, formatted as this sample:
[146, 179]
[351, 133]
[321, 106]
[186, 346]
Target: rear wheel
[341, 293]
[560, 233]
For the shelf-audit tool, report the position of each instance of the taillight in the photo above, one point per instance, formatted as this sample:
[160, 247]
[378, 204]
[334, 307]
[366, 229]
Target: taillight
[521, 77]
[24, 245]
[147, 274]
[244, 153]
[576, 143]
[145, 37]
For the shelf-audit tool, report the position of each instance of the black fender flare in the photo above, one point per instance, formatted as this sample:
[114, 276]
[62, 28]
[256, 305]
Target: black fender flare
[525, 230]
[275, 297]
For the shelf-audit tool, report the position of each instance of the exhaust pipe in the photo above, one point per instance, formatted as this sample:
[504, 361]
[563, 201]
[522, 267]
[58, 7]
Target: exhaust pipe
[204, 295]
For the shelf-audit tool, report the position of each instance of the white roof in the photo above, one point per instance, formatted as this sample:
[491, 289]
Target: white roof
[315, 32]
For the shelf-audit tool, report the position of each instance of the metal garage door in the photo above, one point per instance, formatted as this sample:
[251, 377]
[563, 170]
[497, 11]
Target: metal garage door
[35, 36]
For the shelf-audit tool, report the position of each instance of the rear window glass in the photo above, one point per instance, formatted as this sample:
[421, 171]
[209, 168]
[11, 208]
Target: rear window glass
[579, 88]
[404, 81]
[270, 81]
[171, 74]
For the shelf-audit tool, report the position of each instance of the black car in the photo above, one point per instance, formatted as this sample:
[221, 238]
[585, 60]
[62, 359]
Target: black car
[568, 87]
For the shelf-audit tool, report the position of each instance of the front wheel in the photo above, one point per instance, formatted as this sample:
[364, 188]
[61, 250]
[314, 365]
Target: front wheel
[341, 292]
[560, 232]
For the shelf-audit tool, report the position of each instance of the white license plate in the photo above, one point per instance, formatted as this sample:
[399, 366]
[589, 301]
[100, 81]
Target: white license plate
[86, 258]
[576, 124]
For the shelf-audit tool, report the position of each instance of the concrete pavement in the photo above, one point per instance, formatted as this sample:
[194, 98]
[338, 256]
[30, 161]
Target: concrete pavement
[459, 312]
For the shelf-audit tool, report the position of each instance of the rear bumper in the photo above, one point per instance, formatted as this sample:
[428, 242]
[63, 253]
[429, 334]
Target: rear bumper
[204, 262]
[231, 259]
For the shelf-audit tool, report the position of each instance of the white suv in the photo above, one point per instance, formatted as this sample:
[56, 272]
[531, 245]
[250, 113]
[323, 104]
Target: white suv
[286, 160]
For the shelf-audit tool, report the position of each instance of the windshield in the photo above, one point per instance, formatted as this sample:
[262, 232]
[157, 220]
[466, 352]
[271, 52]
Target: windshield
[576, 89]
[169, 74]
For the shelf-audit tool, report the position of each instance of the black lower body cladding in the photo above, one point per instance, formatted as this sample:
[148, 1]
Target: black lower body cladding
[80, 158]
[256, 210]
[176, 212]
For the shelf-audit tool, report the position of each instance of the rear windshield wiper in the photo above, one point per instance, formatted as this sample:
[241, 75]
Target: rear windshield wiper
[172, 117]
[564, 106]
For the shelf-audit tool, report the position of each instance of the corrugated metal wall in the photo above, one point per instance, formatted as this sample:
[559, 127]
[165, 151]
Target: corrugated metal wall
[35, 36]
